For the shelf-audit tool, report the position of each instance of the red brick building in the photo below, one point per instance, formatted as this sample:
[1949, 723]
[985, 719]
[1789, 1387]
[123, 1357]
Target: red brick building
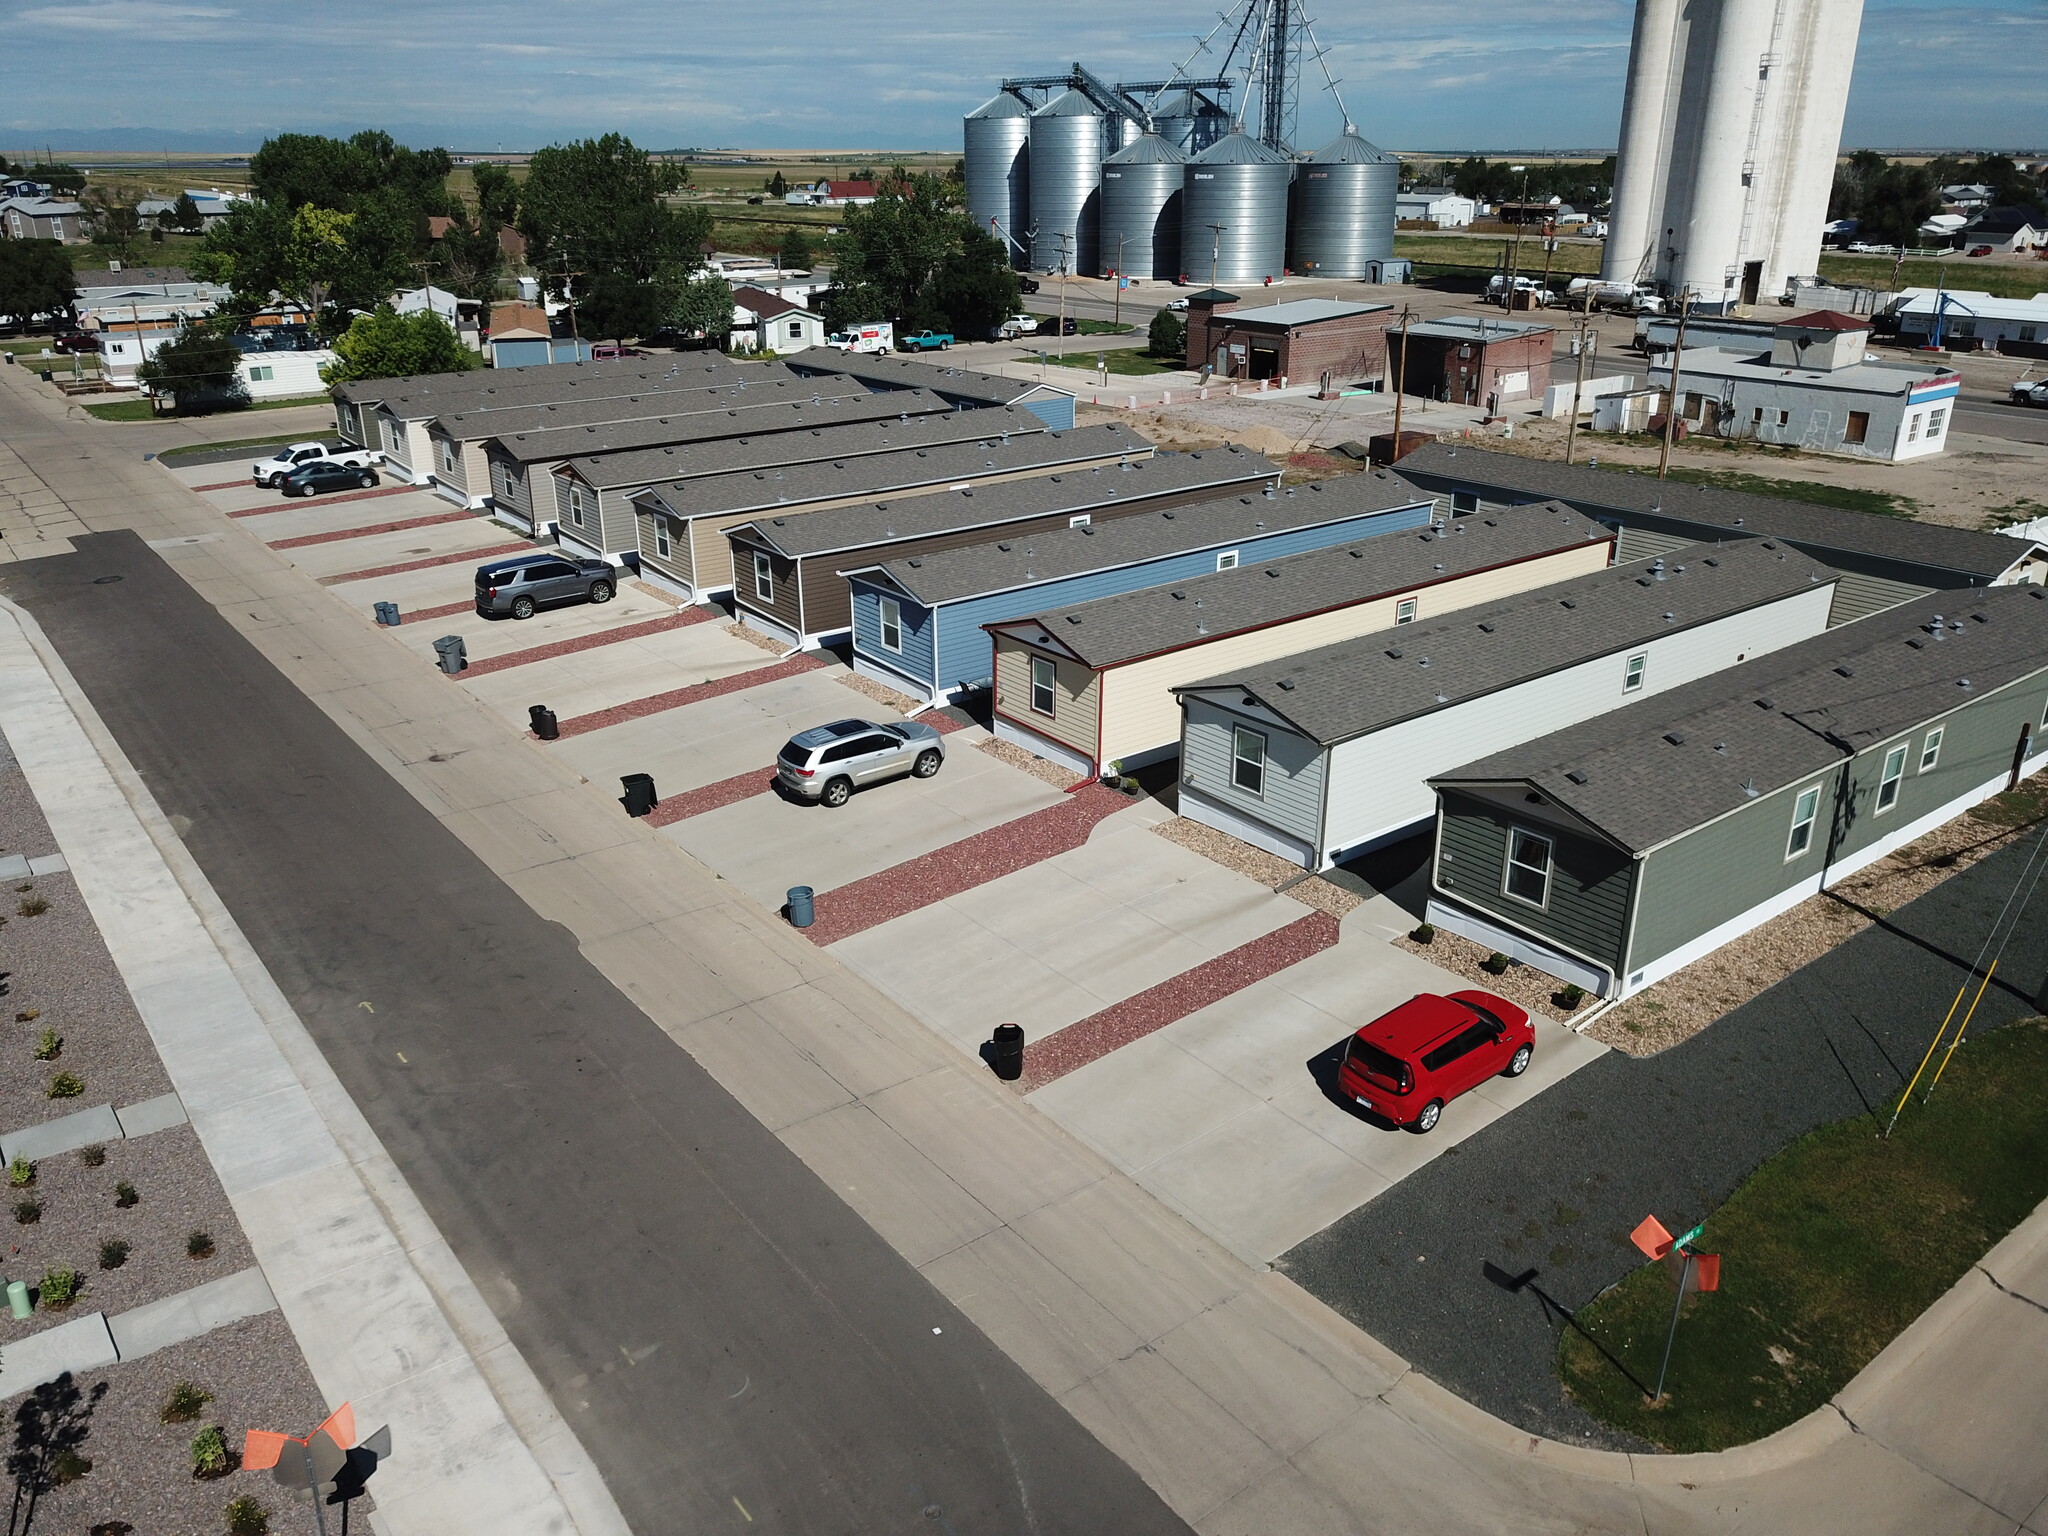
[1487, 363]
[1298, 341]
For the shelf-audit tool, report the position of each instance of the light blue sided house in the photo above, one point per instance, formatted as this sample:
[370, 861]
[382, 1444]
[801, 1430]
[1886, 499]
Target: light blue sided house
[917, 621]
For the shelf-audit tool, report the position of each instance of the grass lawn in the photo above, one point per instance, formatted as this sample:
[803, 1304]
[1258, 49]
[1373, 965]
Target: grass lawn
[2008, 280]
[1104, 328]
[1128, 363]
[141, 410]
[172, 456]
[1828, 1251]
[1883, 503]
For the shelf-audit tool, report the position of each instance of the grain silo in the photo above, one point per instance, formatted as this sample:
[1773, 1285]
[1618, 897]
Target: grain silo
[1141, 209]
[1066, 174]
[1234, 212]
[999, 171]
[1344, 208]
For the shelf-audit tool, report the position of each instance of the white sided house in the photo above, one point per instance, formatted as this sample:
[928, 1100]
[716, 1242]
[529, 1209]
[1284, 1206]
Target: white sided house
[1326, 755]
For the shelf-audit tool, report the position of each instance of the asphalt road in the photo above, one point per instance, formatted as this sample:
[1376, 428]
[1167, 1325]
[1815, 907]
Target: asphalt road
[1989, 416]
[1557, 1186]
[736, 1348]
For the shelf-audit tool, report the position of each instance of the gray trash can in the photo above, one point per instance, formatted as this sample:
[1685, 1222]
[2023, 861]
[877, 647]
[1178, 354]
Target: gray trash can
[1006, 1052]
[803, 909]
[543, 721]
[639, 797]
[454, 655]
[387, 613]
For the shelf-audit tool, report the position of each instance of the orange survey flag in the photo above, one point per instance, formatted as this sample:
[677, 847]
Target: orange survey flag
[262, 1447]
[1651, 1237]
[341, 1426]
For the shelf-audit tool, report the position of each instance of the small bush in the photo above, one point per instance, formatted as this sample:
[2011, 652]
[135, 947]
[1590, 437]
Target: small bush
[246, 1517]
[92, 1156]
[28, 1015]
[113, 1253]
[49, 1045]
[1496, 962]
[60, 1287]
[124, 1194]
[210, 1453]
[187, 1401]
[1424, 933]
[21, 1173]
[28, 1212]
[69, 1467]
[66, 1085]
[33, 906]
[198, 1245]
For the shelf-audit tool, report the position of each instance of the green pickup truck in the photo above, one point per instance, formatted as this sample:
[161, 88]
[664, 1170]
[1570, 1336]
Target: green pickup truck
[926, 341]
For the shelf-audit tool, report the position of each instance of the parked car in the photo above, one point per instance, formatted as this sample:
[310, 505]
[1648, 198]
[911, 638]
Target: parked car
[526, 583]
[2030, 392]
[926, 341]
[828, 762]
[327, 475]
[1980, 250]
[1026, 324]
[1405, 1066]
[291, 456]
[77, 341]
[1027, 285]
[1180, 303]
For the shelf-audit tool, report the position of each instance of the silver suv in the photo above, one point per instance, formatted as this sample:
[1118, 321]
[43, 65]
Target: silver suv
[827, 762]
[519, 586]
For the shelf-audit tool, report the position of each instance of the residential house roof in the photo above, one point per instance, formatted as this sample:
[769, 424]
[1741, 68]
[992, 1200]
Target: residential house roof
[762, 304]
[1341, 691]
[1821, 531]
[1655, 770]
[422, 396]
[849, 189]
[890, 372]
[861, 527]
[1826, 320]
[1111, 630]
[679, 418]
[2006, 221]
[679, 403]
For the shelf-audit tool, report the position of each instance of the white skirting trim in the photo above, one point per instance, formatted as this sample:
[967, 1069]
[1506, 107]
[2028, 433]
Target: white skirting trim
[577, 541]
[454, 493]
[1044, 746]
[1197, 806]
[1519, 946]
[902, 682]
[511, 517]
[773, 628]
[655, 576]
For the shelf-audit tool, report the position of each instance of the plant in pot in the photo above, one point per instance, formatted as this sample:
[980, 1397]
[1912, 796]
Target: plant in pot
[1495, 964]
[1423, 933]
[1569, 996]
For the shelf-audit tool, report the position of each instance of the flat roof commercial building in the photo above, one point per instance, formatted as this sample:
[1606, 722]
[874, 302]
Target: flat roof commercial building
[1325, 755]
[1621, 850]
[1091, 684]
[1299, 341]
[1482, 362]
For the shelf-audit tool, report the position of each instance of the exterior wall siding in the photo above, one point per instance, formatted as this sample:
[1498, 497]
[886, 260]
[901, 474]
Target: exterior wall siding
[1292, 799]
[1590, 883]
[1076, 691]
[784, 608]
[1056, 412]
[676, 564]
[511, 488]
[914, 658]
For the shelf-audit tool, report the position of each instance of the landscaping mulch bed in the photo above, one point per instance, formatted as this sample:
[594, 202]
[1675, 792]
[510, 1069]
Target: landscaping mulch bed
[1270, 870]
[754, 637]
[1043, 769]
[660, 594]
[1683, 1004]
[880, 692]
[1535, 990]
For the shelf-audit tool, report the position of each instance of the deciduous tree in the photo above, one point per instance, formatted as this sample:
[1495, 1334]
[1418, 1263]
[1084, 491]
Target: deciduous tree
[386, 345]
[35, 278]
[596, 206]
[197, 368]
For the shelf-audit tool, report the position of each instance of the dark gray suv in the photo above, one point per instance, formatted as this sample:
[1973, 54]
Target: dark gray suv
[518, 587]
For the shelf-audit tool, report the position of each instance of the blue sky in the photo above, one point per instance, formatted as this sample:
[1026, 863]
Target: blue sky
[1417, 74]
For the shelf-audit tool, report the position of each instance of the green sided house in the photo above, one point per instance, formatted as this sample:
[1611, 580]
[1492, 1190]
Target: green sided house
[1623, 849]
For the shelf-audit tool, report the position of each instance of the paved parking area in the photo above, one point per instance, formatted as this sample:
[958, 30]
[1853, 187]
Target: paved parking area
[587, 682]
[631, 605]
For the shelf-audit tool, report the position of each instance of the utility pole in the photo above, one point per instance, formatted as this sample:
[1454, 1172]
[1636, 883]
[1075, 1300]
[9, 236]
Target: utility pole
[1507, 299]
[1118, 312]
[1671, 399]
[1215, 250]
[1587, 338]
[1400, 380]
[1064, 254]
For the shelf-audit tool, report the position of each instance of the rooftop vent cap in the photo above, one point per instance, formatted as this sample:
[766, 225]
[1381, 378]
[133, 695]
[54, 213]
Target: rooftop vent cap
[1676, 738]
[1576, 777]
[1287, 685]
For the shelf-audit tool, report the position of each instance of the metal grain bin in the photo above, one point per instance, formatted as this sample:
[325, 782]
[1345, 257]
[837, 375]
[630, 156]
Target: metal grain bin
[1188, 123]
[1066, 174]
[1141, 198]
[999, 171]
[1240, 185]
[1344, 208]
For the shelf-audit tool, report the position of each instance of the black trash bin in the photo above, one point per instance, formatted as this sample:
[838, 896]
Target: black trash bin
[543, 721]
[1006, 1052]
[639, 797]
[453, 653]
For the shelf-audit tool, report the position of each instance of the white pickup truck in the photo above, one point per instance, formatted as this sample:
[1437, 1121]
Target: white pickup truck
[291, 456]
[2030, 392]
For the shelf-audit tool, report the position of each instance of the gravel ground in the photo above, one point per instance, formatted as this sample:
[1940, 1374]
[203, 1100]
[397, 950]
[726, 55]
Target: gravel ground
[755, 637]
[1040, 768]
[1535, 990]
[1269, 869]
[1557, 1185]
[880, 692]
[659, 594]
[142, 1468]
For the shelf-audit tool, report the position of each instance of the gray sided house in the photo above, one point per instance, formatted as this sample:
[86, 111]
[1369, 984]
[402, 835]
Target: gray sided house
[789, 571]
[682, 523]
[1622, 850]
[459, 465]
[1883, 560]
[963, 386]
[1091, 684]
[919, 620]
[1325, 755]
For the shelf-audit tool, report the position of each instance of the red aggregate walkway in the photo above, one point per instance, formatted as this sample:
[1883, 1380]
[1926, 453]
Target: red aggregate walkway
[400, 526]
[287, 504]
[743, 786]
[421, 615]
[588, 642]
[676, 698]
[973, 861]
[1053, 1057]
[479, 555]
[222, 485]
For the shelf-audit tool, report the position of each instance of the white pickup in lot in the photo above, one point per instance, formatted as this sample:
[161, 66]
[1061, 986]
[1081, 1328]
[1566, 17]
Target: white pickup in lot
[291, 456]
[2030, 392]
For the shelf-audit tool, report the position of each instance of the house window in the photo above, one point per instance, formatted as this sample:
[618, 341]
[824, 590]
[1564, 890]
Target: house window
[1227, 561]
[1248, 760]
[1804, 810]
[1934, 423]
[1756, 417]
[1464, 501]
[1930, 750]
[1404, 610]
[1632, 673]
[796, 330]
[2029, 332]
[1044, 698]
[1913, 428]
[1784, 418]
[1859, 427]
[260, 374]
[1080, 522]
[1528, 875]
[662, 546]
[1888, 783]
[892, 624]
[764, 576]
[576, 505]
[447, 454]
[394, 438]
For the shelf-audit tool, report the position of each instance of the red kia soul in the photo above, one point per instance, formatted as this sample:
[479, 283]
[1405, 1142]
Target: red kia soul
[1408, 1064]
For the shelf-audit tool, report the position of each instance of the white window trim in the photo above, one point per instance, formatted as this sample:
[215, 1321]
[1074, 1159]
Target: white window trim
[1227, 561]
[1805, 822]
[1051, 685]
[1510, 864]
[1237, 733]
[1887, 779]
[1080, 520]
[1930, 749]
[1633, 671]
[888, 616]
[664, 546]
[1406, 609]
[764, 577]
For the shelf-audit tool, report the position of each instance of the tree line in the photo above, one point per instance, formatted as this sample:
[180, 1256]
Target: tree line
[1890, 200]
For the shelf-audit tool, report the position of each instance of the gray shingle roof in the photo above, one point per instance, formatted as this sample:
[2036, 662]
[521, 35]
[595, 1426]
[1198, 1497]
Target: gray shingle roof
[1822, 531]
[1778, 719]
[894, 372]
[427, 394]
[950, 574]
[873, 523]
[902, 471]
[1111, 630]
[689, 400]
[680, 465]
[1344, 690]
[724, 421]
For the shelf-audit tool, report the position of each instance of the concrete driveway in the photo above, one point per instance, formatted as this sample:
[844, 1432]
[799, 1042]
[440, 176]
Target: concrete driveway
[404, 546]
[631, 605]
[588, 681]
